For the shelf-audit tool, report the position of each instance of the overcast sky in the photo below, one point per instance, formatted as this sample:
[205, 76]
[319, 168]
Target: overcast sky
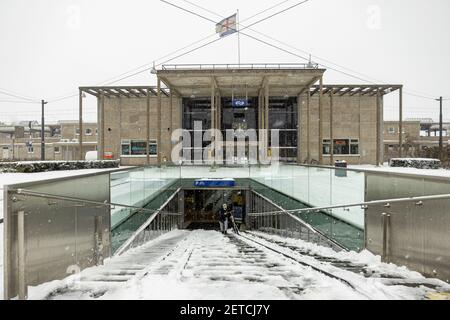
[48, 48]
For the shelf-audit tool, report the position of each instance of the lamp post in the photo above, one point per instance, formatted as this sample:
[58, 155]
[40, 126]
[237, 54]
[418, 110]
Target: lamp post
[43, 131]
[441, 142]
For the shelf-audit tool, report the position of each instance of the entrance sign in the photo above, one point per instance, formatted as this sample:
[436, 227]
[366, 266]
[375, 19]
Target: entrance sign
[215, 183]
[240, 103]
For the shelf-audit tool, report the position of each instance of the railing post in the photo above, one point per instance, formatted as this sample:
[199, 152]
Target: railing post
[23, 288]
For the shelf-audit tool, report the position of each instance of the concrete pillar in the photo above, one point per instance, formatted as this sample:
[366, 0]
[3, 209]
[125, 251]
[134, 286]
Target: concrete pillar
[101, 127]
[80, 124]
[331, 130]
[158, 120]
[299, 132]
[213, 119]
[320, 121]
[378, 153]
[266, 119]
[308, 124]
[147, 129]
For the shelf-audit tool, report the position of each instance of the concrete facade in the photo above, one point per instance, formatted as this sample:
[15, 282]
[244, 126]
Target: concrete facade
[355, 119]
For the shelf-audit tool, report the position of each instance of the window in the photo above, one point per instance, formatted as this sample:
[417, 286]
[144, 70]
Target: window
[341, 146]
[88, 132]
[57, 150]
[391, 130]
[96, 131]
[77, 131]
[139, 148]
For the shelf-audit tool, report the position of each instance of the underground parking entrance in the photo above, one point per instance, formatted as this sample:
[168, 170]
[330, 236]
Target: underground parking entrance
[201, 207]
[194, 204]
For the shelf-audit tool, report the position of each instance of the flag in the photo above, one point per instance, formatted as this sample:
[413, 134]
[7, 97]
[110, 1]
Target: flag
[227, 26]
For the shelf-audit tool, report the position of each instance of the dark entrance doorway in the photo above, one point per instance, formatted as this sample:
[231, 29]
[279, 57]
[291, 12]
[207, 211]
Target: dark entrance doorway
[201, 206]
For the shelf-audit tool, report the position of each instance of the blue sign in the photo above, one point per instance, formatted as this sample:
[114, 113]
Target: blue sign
[240, 103]
[215, 183]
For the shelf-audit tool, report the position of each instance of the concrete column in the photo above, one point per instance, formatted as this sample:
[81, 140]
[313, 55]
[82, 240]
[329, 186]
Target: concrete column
[331, 130]
[308, 124]
[147, 128]
[101, 127]
[378, 153]
[213, 118]
[80, 124]
[266, 119]
[158, 120]
[299, 132]
[320, 121]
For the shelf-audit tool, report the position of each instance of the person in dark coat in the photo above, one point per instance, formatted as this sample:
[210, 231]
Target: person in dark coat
[223, 218]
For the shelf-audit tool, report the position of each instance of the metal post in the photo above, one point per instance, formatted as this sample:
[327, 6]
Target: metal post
[98, 236]
[43, 131]
[400, 134]
[23, 288]
[385, 220]
[80, 124]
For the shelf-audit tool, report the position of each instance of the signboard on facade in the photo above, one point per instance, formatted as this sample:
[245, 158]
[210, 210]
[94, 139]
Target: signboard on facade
[214, 183]
[240, 103]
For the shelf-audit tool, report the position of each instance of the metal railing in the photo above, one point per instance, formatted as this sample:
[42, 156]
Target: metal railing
[249, 66]
[160, 220]
[419, 201]
[286, 224]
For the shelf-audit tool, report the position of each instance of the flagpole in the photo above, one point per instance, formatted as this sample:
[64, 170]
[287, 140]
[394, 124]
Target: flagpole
[239, 38]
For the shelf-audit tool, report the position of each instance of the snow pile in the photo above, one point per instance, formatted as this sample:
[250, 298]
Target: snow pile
[417, 163]
[44, 166]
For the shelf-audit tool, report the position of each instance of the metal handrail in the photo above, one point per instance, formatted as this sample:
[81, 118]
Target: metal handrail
[78, 200]
[252, 66]
[283, 211]
[149, 221]
[303, 223]
[363, 205]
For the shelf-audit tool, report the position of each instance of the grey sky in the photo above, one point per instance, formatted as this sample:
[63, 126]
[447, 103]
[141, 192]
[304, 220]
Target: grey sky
[48, 48]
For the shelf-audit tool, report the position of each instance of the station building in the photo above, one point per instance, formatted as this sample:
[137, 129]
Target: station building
[318, 123]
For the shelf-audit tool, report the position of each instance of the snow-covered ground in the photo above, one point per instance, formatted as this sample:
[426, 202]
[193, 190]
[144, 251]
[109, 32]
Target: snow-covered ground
[202, 265]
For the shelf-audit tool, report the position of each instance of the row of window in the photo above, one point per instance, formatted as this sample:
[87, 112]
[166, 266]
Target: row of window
[341, 146]
[139, 148]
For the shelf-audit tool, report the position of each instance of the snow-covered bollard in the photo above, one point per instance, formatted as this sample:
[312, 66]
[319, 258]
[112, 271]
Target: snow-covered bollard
[417, 163]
